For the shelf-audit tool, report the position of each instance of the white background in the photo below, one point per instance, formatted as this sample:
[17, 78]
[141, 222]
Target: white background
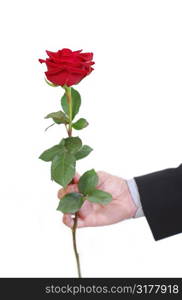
[133, 102]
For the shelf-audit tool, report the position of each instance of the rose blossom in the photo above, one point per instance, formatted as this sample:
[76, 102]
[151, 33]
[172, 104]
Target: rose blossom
[67, 67]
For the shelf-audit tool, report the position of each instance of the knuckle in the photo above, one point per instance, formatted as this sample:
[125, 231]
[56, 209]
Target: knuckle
[61, 193]
[64, 219]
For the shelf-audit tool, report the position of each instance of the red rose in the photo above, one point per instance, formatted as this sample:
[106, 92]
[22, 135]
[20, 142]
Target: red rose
[67, 67]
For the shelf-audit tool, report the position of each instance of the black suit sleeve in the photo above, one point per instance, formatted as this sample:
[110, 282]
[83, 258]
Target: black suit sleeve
[161, 198]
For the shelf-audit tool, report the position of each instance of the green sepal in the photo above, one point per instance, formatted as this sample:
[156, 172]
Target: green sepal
[50, 83]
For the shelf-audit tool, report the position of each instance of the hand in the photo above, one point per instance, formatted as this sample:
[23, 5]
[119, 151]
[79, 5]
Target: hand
[92, 214]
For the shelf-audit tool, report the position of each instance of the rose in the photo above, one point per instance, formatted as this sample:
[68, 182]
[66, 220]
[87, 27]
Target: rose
[67, 67]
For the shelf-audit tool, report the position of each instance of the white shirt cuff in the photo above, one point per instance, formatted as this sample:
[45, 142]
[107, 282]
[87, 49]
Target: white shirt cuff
[135, 197]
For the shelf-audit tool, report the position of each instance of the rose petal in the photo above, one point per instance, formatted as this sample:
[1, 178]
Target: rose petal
[67, 67]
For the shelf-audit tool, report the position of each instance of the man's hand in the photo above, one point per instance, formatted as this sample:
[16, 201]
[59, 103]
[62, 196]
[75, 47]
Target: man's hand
[92, 214]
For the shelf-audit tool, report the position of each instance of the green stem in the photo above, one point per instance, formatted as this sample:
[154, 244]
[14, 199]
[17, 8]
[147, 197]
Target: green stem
[75, 245]
[69, 101]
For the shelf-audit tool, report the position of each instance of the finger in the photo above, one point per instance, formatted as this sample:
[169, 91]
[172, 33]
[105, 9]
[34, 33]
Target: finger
[67, 220]
[71, 188]
[86, 209]
[76, 178]
[61, 193]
